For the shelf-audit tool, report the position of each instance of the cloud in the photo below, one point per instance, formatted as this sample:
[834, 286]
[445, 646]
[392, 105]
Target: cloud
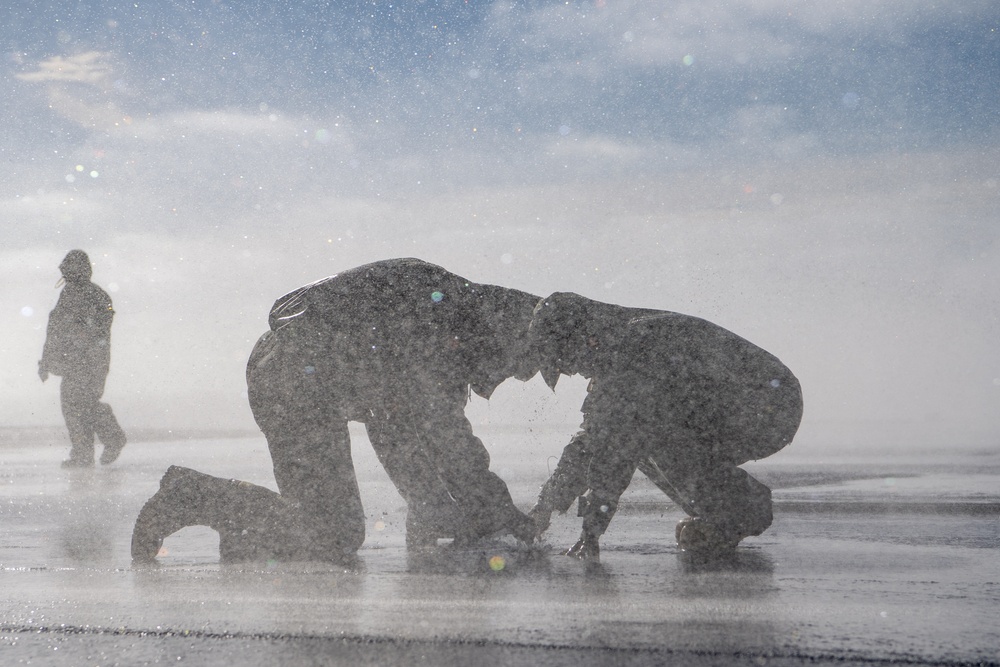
[89, 68]
[596, 146]
[626, 34]
[33, 209]
[79, 89]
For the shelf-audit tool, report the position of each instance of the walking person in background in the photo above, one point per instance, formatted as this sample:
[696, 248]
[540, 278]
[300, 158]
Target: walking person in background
[78, 349]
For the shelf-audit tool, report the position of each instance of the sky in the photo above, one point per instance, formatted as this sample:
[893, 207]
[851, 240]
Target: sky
[820, 178]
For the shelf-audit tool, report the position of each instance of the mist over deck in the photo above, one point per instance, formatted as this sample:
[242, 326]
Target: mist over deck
[871, 559]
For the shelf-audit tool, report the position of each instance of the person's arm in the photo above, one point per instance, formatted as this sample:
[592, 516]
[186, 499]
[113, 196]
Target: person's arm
[616, 452]
[564, 486]
[53, 350]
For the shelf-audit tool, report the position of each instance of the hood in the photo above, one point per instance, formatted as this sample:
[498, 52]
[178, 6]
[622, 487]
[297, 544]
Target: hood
[75, 267]
[558, 328]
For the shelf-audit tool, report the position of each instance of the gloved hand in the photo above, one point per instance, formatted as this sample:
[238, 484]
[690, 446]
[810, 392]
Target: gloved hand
[42, 372]
[586, 548]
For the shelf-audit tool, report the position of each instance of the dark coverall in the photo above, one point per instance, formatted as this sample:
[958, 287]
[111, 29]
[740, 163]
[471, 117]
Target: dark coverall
[78, 348]
[397, 345]
[679, 398]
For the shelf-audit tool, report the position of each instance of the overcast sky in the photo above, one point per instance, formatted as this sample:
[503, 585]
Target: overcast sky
[821, 178]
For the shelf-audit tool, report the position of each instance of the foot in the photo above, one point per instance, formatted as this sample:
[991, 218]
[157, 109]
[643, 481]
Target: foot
[164, 514]
[697, 536]
[111, 452]
[77, 463]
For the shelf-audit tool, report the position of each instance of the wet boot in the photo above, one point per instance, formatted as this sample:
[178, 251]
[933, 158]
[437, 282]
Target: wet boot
[78, 462]
[426, 523]
[253, 523]
[80, 456]
[699, 537]
[512, 521]
[111, 452]
[110, 433]
[167, 511]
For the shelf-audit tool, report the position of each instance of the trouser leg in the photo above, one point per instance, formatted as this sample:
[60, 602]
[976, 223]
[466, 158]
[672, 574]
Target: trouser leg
[109, 432]
[442, 471]
[569, 480]
[720, 493]
[432, 512]
[290, 396]
[106, 426]
[79, 397]
[484, 495]
[314, 471]
[697, 464]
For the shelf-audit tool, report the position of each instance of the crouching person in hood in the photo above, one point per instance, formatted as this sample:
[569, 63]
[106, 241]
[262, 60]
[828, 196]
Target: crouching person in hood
[397, 345]
[676, 397]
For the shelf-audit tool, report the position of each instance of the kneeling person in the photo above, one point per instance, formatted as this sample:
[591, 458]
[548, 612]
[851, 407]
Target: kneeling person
[397, 345]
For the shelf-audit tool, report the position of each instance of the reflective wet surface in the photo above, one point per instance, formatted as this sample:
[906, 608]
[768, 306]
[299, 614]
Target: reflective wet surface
[869, 560]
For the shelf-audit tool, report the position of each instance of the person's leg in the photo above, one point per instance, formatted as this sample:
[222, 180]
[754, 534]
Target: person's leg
[569, 480]
[254, 523]
[442, 470]
[463, 464]
[724, 498]
[290, 396]
[314, 471]
[79, 396]
[432, 512]
[109, 432]
[697, 465]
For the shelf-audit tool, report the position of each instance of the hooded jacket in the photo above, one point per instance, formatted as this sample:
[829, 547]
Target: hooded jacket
[384, 321]
[658, 379]
[78, 337]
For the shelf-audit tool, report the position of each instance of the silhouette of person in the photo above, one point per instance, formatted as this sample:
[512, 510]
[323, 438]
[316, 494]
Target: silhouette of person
[78, 348]
[398, 345]
[676, 397]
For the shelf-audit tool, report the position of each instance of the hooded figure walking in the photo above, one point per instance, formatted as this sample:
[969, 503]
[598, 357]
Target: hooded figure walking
[683, 400]
[78, 349]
